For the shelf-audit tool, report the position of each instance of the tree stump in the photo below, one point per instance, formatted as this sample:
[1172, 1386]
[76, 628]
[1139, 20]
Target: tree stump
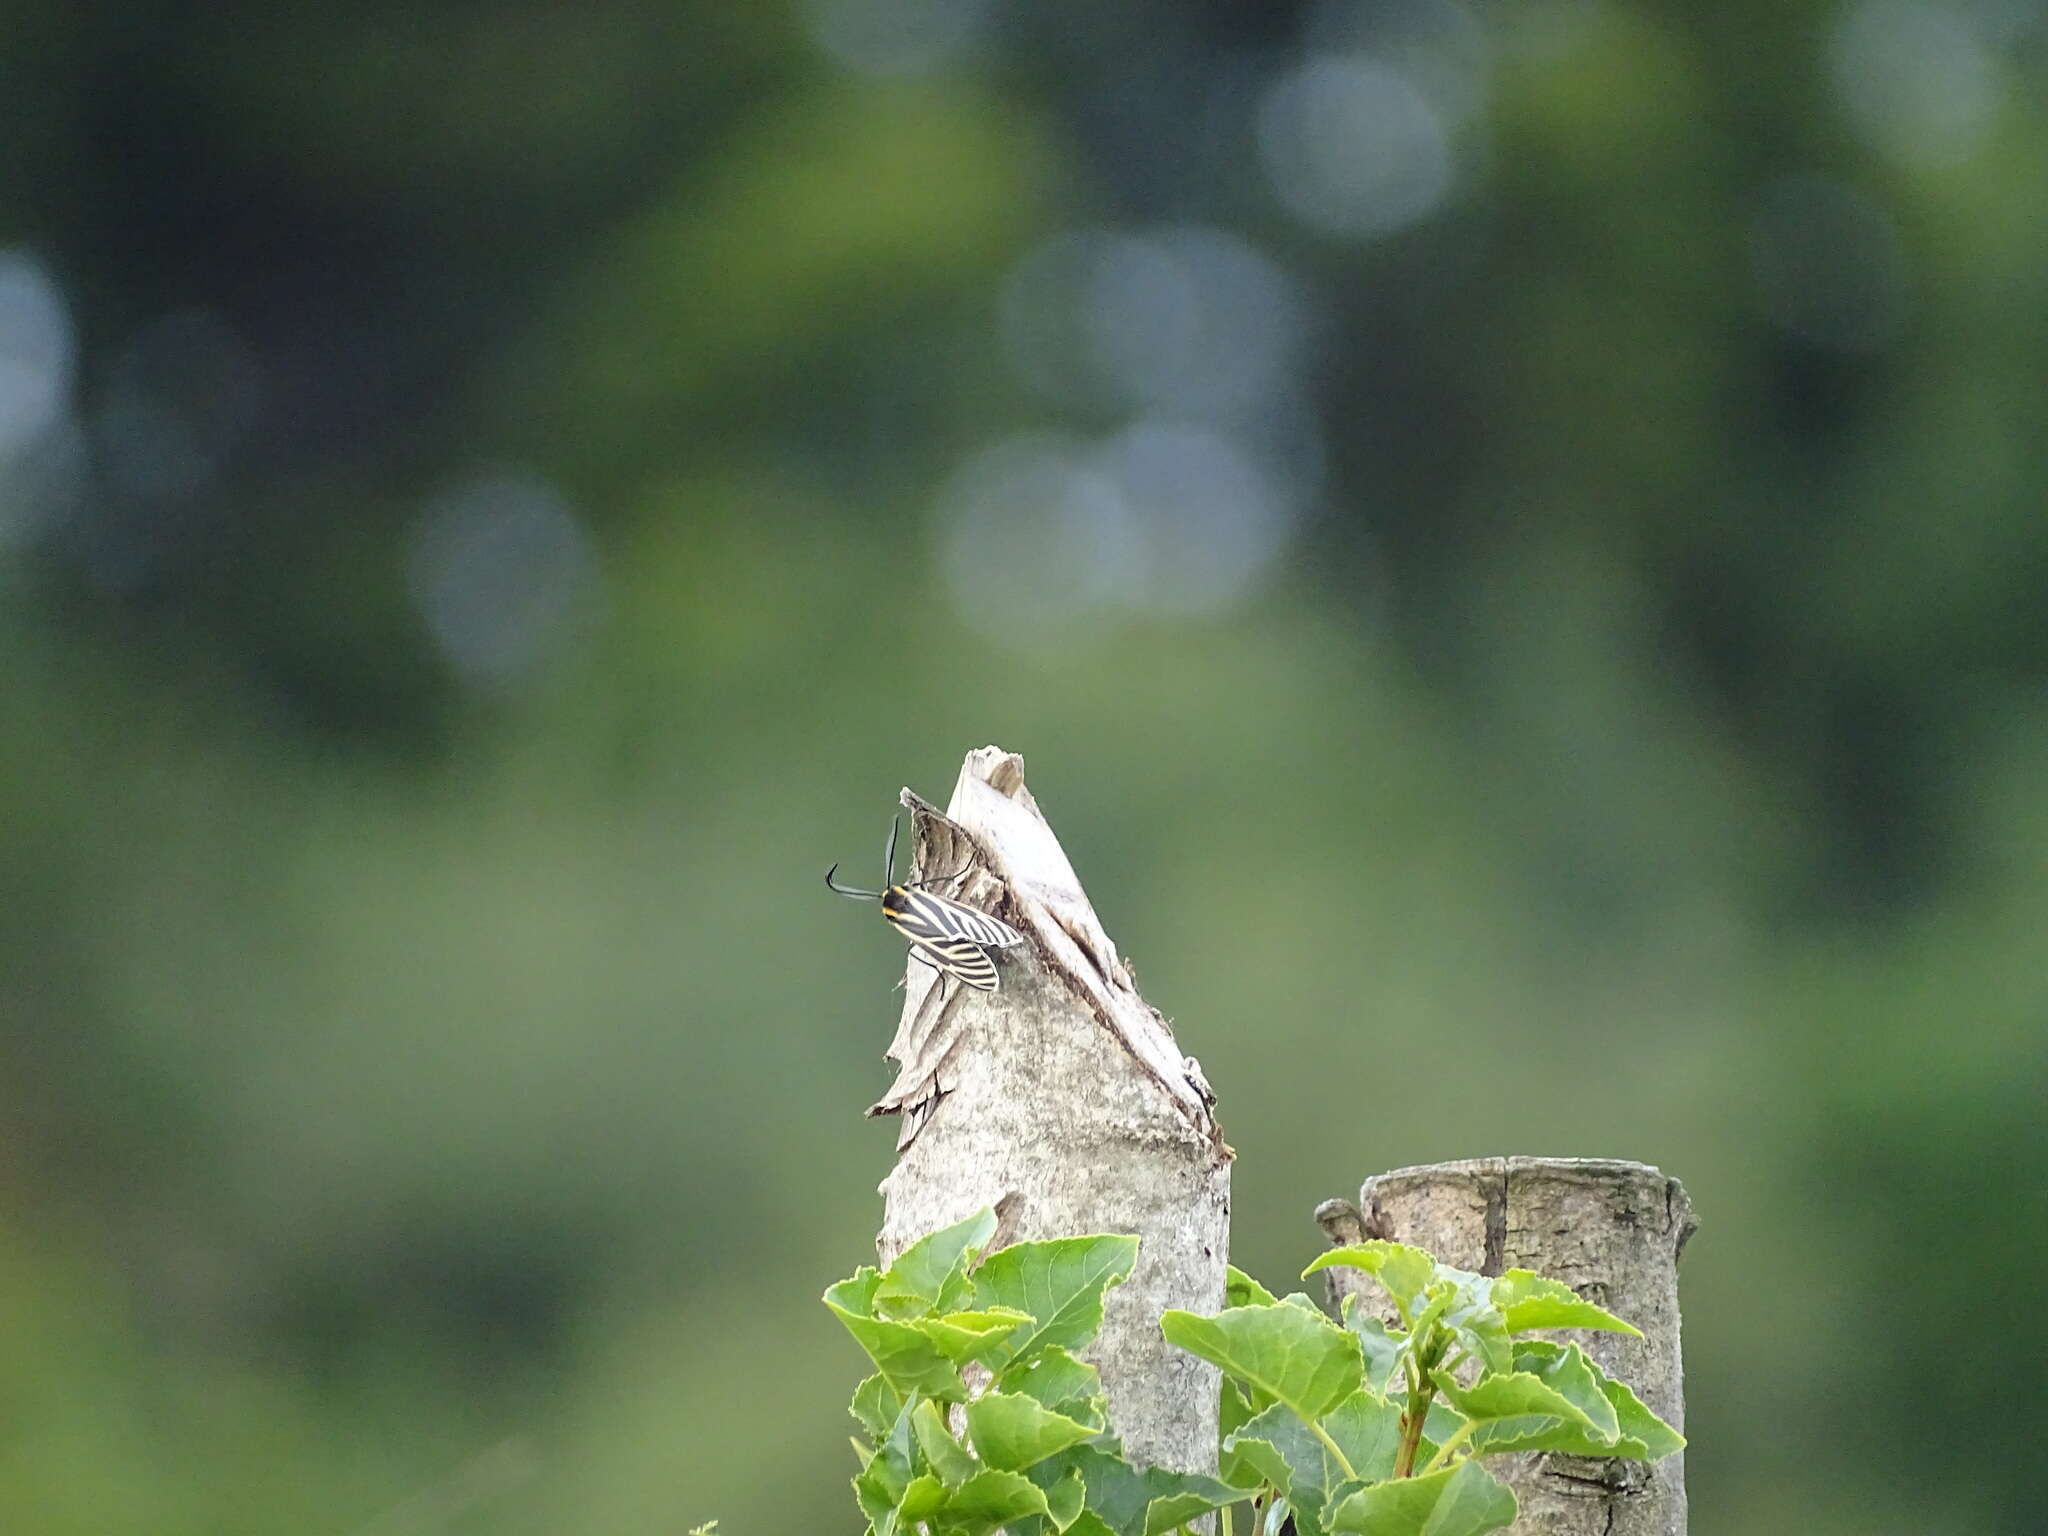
[1612, 1231]
[1062, 1100]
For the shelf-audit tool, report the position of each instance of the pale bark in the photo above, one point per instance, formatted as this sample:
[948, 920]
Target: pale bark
[1610, 1230]
[1063, 1101]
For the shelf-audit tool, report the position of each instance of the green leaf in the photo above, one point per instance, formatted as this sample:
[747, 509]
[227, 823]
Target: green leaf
[880, 1486]
[1402, 1270]
[1510, 1411]
[1438, 1425]
[1171, 1510]
[877, 1501]
[1277, 1447]
[908, 1359]
[1063, 1500]
[1465, 1500]
[876, 1405]
[1303, 1360]
[1092, 1411]
[1241, 1290]
[1059, 1283]
[1436, 1301]
[1530, 1300]
[946, 1456]
[855, 1295]
[1232, 1411]
[925, 1497]
[1303, 1524]
[913, 1285]
[1248, 1461]
[1367, 1428]
[1476, 1321]
[1382, 1349]
[1641, 1436]
[965, 1336]
[1053, 1376]
[1120, 1494]
[1013, 1431]
[1231, 1416]
[1088, 1523]
[990, 1499]
[1566, 1369]
[1282, 1451]
[1530, 1408]
[1277, 1450]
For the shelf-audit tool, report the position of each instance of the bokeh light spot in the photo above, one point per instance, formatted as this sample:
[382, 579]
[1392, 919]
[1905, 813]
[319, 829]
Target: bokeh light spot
[500, 568]
[1914, 78]
[1143, 311]
[1352, 147]
[1209, 521]
[1033, 540]
[1440, 45]
[896, 37]
[1042, 538]
[1048, 318]
[1187, 319]
[37, 350]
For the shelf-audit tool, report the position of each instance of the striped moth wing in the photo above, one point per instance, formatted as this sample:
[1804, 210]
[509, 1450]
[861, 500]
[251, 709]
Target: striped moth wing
[925, 917]
[962, 959]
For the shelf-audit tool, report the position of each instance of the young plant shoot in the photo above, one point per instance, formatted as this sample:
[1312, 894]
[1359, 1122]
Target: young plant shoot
[982, 1416]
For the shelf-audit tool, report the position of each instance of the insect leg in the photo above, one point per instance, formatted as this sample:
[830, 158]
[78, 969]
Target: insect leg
[920, 959]
[935, 879]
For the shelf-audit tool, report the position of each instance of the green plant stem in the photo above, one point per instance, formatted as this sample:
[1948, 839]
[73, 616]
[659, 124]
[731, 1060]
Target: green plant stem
[1411, 1437]
[1421, 1360]
[1412, 1419]
[1412, 1415]
[1443, 1451]
[1228, 1525]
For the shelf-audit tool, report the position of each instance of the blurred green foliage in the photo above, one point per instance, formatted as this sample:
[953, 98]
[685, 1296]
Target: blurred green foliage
[431, 1081]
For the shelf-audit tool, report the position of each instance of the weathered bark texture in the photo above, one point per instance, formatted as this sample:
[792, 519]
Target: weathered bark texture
[1062, 1100]
[1610, 1230]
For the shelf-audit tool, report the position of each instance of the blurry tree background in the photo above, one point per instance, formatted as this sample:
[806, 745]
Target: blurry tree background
[1519, 522]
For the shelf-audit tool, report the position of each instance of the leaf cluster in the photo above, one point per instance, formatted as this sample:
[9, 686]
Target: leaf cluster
[1376, 1429]
[982, 1416]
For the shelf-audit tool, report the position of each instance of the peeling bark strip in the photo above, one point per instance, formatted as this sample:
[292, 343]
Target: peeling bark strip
[1062, 1100]
[1612, 1231]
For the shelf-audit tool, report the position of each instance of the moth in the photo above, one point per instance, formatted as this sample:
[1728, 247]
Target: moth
[951, 937]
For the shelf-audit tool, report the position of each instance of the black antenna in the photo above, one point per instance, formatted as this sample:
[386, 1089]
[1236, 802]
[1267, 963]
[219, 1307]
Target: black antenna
[888, 858]
[889, 865]
[847, 890]
[928, 879]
